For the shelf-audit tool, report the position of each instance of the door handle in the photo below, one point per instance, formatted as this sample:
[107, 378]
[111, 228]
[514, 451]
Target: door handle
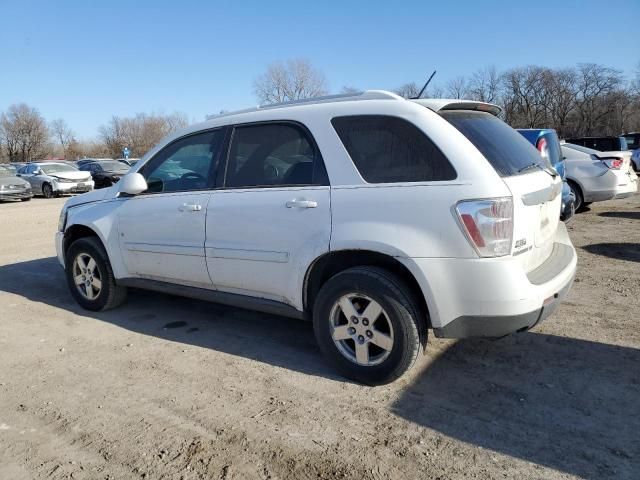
[301, 203]
[190, 207]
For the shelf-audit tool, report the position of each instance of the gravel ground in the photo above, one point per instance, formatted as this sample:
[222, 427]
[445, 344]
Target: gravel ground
[172, 388]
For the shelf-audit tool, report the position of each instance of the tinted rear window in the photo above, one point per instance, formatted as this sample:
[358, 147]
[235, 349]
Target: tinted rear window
[388, 149]
[505, 149]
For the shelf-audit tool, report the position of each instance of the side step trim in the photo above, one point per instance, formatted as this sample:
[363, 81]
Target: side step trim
[232, 299]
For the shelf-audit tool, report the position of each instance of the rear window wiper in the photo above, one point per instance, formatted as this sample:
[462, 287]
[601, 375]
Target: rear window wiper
[530, 166]
[550, 171]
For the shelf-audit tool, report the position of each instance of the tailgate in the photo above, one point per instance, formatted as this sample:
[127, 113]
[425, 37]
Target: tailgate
[537, 199]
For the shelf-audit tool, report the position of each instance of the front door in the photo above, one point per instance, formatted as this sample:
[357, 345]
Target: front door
[162, 231]
[273, 216]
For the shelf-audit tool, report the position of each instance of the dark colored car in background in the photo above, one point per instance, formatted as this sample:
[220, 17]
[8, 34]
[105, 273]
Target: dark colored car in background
[105, 172]
[548, 144]
[633, 140]
[603, 144]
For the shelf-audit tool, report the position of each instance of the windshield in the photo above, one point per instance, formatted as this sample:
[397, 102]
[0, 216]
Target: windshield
[506, 150]
[6, 171]
[114, 165]
[57, 168]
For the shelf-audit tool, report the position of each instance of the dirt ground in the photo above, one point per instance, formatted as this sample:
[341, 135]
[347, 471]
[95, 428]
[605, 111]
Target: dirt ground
[171, 388]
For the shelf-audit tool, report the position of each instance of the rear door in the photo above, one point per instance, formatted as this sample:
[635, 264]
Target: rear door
[535, 188]
[273, 216]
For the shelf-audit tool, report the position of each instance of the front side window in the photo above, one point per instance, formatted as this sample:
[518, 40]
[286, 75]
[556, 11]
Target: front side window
[186, 164]
[273, 154]
[388, 149]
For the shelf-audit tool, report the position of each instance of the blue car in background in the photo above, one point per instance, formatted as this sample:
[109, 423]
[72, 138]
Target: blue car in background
[548, 144]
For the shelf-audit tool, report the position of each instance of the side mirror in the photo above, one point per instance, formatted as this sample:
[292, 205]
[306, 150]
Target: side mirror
[132, 184]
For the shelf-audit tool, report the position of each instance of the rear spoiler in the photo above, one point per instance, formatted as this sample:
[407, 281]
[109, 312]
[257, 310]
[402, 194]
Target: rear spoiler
[439, 104]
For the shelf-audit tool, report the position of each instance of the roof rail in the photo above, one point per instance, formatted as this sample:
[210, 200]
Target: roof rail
[343, 97]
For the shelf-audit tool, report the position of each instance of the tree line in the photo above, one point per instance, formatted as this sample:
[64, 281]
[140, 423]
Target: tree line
[25, 135]
[588, 99]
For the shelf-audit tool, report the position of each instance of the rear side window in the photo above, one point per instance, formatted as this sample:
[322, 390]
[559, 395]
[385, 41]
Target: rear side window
[506, 150]
[388, 149]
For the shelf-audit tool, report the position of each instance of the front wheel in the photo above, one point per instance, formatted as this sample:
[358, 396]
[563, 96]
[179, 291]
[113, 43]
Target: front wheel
[47, 190]
[368, 325]
[90, 277]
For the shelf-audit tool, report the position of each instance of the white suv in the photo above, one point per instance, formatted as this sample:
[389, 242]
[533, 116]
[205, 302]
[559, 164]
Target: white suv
[376, 217]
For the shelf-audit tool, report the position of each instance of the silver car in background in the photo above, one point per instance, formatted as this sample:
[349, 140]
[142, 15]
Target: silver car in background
[51, 179]
[12, 187]
[596, 176]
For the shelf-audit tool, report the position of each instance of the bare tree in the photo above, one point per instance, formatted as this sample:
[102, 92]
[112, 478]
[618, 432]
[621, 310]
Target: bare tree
[139, 133]
[457, 87]
[62, 133]
[595, 82]
[24, 133]
[525, 96]
[484, 85]
[293, 80]
[408, 90]
[562, 99]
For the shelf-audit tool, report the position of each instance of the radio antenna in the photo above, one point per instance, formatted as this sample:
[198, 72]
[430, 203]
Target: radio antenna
[425, 87]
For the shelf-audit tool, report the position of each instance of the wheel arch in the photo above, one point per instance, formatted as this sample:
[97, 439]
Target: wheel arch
[77, 231]
[334, 262]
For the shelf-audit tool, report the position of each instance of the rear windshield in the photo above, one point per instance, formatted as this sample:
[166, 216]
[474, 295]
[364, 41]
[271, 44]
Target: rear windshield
[506, 150]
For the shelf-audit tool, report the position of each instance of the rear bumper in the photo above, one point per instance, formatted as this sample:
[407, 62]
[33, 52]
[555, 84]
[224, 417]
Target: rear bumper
[613, 184]
[499, 326]
[489, 297]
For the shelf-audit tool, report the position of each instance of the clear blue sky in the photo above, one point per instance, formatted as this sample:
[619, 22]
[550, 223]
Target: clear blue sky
[85, 61]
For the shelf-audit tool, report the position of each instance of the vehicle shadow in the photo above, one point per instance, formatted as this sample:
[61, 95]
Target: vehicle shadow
[630, 215]
[565, 403]
[569, 404]
[619, 251]
[279, 341]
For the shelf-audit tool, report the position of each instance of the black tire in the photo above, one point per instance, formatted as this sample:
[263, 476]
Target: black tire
[399, 306]
[47, 190]
[26, 199]
[110, 294]
[577, 193]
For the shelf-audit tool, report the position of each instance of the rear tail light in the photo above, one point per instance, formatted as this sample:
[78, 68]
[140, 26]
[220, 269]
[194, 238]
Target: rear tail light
[488, 224]
[613, 163]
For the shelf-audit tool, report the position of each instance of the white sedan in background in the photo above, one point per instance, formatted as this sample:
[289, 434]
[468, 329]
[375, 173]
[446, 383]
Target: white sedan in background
[596, 176]
[51, 179]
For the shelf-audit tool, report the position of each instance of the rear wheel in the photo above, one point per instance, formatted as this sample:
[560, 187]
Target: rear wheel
[368, 325]
[577, 193]
[47, 190]
[90, 277]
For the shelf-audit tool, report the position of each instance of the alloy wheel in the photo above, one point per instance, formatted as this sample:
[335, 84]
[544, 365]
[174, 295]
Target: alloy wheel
[86, 276]
[361, 329]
